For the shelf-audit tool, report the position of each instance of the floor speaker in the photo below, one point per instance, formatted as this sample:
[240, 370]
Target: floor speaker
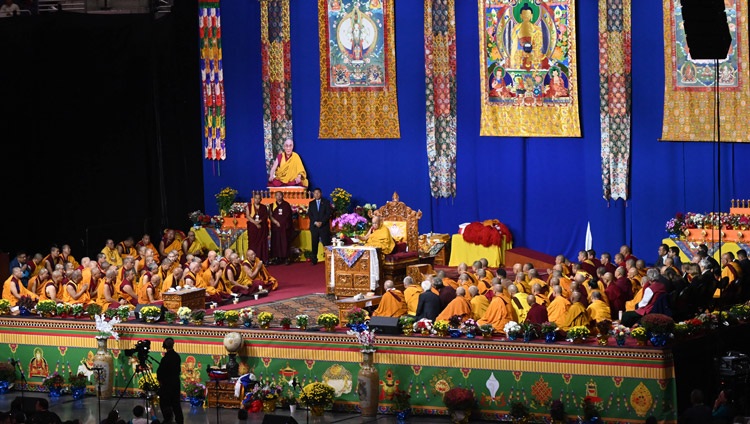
[385, 325]
[278, 419]
[706, 28]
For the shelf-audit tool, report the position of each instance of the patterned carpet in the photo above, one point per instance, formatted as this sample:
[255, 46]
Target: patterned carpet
[312, 305]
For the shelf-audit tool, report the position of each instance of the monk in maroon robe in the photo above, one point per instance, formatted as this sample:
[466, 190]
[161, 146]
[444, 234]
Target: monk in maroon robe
[538, 313]
[257, 228]
[282, 229]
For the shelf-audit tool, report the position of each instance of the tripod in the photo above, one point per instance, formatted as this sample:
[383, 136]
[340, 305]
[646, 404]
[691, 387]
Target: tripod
[143, 369]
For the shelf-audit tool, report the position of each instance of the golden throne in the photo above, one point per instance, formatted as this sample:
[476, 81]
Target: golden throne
[403, 223]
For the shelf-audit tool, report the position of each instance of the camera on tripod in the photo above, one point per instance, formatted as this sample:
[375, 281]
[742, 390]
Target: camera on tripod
[141, 350]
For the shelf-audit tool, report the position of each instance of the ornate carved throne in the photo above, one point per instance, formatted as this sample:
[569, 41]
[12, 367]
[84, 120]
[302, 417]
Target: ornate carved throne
[403, 222]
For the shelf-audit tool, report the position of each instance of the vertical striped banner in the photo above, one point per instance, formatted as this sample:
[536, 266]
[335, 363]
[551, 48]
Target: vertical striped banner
[615, 78]
[212, 80]
[440, 89]
[277, 76]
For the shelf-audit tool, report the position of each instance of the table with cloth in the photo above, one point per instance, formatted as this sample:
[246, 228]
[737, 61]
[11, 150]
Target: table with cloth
[236, 239]
[463, 251]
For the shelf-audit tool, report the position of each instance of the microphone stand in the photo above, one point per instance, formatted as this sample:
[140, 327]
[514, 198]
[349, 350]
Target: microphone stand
[98, 371]
[23, 377]
[296, 387]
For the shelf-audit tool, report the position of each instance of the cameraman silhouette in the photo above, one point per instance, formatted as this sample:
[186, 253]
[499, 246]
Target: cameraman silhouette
[168, 375]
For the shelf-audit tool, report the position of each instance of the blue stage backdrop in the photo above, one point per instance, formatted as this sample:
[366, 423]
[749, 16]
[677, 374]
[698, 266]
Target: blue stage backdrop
[546, 190]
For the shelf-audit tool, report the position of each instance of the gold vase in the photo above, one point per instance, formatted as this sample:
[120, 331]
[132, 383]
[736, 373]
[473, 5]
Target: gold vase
[269, 405]
[317, 410]
[103, 359]
[368, 387]
[408, 331]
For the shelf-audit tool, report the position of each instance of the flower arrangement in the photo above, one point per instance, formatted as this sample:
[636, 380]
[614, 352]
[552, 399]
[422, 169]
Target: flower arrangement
[406, 321]
[604, 327]
[266, 390]
[195, 390]
[694, 325]
[470, 326]
[401, 400]
[710, 321]
[110, 313]
[225, 198]
[265, 318]
[198, 315]
[741, 311]
[54, 381]
[148, 383]
[512, 329]
[459, 399]
[232, 317]
[455, 321]
[365, 210]
[366, 339]
[548, 327]
[285, 322]
[639, 333]
[27, 303]
[219, 317]
[350, 224]
[529, 330]
[196, 217]
[46, 307]
[106, 328]
[78, 380]
[4, 306]
[93, 310]
[487, 329]
[578, 332]
[150, 311]
[7, 372]
[217, 221]
[237, 209]
[62, 309]
[302, 320]
[184, 313]
[424, 325]
[317, 394]
[246, 315]
[657, 323]
[681, 329]
[289, 400]
[77, 310]
[620, 331]
[357, 315]
[328, 320]
[169, 317]
[341, 199]
[124, 312]
[675, 226]
[301, 210]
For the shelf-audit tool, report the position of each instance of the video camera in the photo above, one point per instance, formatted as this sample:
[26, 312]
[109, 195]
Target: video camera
[141, 350]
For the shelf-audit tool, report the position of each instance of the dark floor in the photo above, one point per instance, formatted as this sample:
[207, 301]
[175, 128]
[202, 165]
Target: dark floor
[87, 411]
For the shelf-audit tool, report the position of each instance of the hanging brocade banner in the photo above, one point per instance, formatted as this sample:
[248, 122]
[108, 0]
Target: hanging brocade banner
[440, 79]
[357, 69]
[212, 80]
[277, 77]
[689, 84]
[615, 79]
[527, 69]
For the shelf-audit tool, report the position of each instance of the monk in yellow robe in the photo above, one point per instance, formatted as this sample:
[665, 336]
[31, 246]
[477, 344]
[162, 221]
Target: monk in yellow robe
[458, 306]
[170, 243]
[192, 246]
[36, 284]
[111, 254]
[598, 309]
[479, 303]
[75, 292]
[731, 273]
[534, 279]
[558, 307]
[287, 169]
[126, 289]
[216, 290]
[379, 236]
[411, 295]
[13, 289]
[257, 273]
[50, 290]
[106, 294]
[447, 281]
[210, 258]
[499, 312]
[520, 303]
[393, 302]
[127, 248]
[67, 257]
[148, 292]
[576, 314]
[235, 278]
[173, 279]
[632, 305]
[146, 242]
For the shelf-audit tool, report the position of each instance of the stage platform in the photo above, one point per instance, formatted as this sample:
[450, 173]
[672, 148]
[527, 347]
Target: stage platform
[628, 383]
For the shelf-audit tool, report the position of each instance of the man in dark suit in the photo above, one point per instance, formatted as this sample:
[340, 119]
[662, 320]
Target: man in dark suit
[429, 303]
[319, 212]
[168, 375]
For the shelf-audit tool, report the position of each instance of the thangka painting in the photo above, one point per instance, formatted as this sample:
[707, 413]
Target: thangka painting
[212, 80]
[689, 107]
[528, 68]
[357, 69]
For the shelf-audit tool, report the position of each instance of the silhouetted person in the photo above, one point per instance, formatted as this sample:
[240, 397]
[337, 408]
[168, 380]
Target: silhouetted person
[698, 413]
[168, 375]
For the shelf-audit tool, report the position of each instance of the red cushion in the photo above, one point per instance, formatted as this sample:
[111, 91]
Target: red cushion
[400, 248]
[402, 256]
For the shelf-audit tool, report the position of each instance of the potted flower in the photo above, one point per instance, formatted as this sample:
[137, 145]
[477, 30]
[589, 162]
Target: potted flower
[329, 321]
[232, 317]
[620, 333]
[7, 377]
[25, 305]
[225, 199]
[184, 313]
[197, 316]
[578, 334]
[441, 328]
[407, 324]
[341, 200]
[46, 308]
[317, 396]
[267, 392]
[356, 319]
[741, 311]
[110, 313]
[549, 329]
[640, 335]
[401, 404]
[77, 310]
[106, 329]
[603, 328]
[366, 339]
[423, 326]
[219, 317]
[470, 327]
[149, 313]
[195, 393]
[54, 384]
[93, 309]
[529, 330]
[4, 306]
[460, 402]
[681, 330]
[302, 320]
[659, 327]
[62, 310]
[264, 319]
[149, 384]
[291, 401]
[286, 323]
[246, 316]
[455, 321]
[124, 312]
[77, 384]
[169, 317]
[512, 329]
[487, 330]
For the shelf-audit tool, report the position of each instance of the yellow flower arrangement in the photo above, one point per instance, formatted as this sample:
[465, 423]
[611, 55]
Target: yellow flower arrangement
[150, 311]
[639, 333]
[265, 318]
[578, 332]
[328, 320]
[317, 394]
[341, 199]
[225, 199]
[441, 325]
[232, 316]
